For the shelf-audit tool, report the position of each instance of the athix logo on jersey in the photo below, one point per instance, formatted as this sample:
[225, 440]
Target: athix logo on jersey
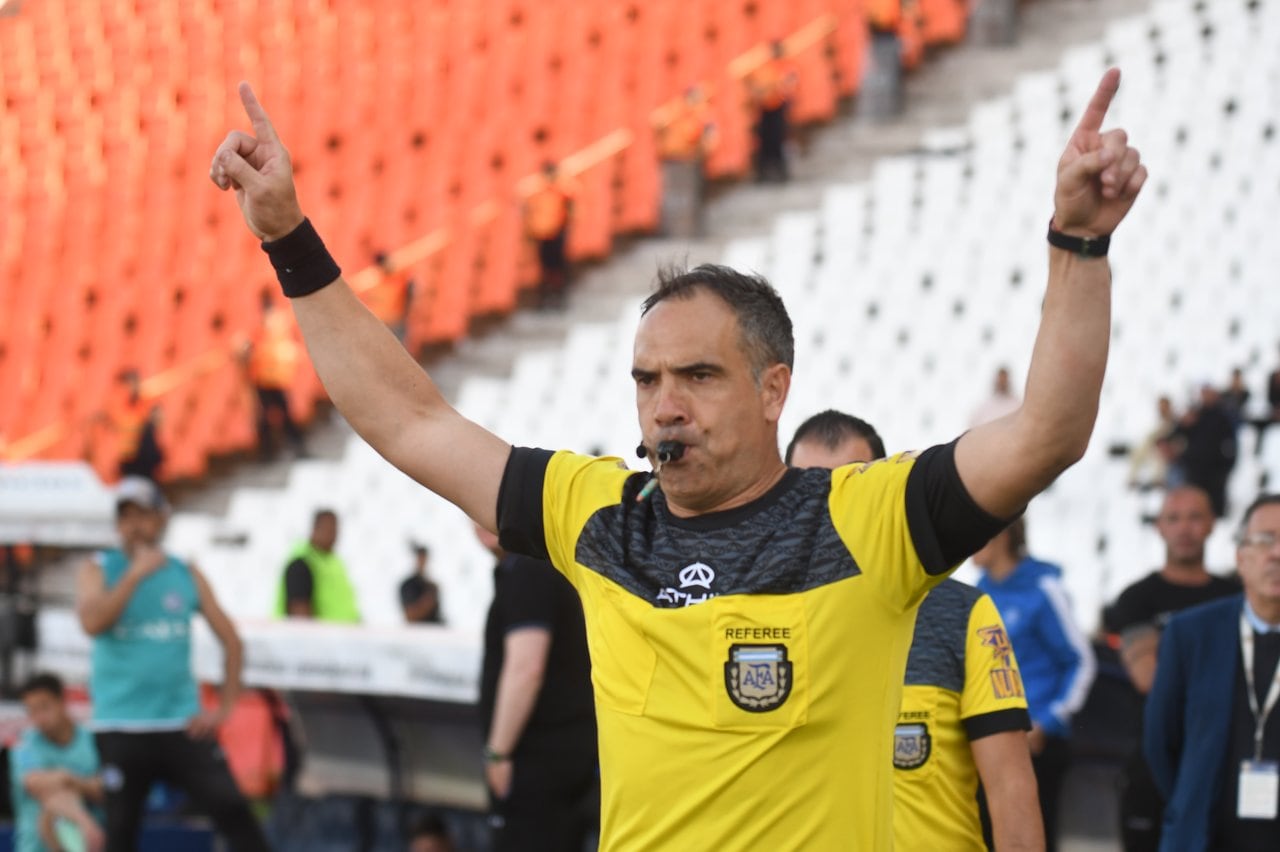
[1005, 680]
[172, 602]
[758, 677]
[696, 576]
[912, 746]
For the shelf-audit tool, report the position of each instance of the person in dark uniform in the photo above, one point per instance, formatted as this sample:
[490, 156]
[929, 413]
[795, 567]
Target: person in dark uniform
[537, 707]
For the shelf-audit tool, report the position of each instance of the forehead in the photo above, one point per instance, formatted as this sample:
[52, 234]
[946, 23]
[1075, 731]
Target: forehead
[1185, 501]
[1266, 518]
[688, 330]
[133, 510]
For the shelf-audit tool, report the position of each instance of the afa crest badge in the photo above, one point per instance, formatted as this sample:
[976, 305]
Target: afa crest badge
[911, 746]
[758, 677]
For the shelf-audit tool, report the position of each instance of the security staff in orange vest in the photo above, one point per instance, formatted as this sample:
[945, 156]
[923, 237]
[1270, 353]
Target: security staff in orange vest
[685, 136]
[135, 421]
[546, 222]
[272, 361]
[772, 85]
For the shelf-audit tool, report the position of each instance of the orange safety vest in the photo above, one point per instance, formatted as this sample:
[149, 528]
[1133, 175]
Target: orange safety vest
[773, 83]
[546, 211]
[681, 138]
[275, 354]
[129, 420]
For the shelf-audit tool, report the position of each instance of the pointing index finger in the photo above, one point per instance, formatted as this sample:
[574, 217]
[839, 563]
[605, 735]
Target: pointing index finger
[257, 115]
[1096, 111]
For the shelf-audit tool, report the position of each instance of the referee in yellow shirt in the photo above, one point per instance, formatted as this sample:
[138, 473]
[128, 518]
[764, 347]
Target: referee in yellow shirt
[963, 715]
[748, 624]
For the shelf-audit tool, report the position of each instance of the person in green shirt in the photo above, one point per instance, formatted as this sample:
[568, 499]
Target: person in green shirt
[54, 774]
[316, 583]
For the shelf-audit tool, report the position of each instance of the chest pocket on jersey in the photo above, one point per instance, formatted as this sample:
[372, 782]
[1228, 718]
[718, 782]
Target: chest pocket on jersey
[759, 661]
[915, 737]
[623, 661]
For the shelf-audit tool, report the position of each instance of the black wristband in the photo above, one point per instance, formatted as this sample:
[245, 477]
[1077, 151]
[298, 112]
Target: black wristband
[303, 265]
[1083, 246]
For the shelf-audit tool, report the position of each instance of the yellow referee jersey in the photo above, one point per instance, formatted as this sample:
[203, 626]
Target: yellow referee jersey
[747, 664]
[962, 684]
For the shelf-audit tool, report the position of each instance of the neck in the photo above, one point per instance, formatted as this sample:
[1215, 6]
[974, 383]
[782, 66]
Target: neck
[63, 733]
[1002, 566]
[1268, 609]
[1185, 574]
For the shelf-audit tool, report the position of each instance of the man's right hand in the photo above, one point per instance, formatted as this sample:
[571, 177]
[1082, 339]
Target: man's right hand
[258, 168]
[146, 560]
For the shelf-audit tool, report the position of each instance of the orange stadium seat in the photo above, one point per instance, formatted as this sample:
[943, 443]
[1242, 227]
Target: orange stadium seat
[411, 126]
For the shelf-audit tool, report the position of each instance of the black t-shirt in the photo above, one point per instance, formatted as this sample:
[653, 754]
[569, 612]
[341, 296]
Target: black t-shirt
[1250, 835]
[1153, 599]
[299, 585]
[414, 589]
[531, 593]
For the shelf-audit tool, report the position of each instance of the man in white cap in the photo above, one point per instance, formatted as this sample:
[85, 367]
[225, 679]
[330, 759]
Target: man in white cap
[136, 601]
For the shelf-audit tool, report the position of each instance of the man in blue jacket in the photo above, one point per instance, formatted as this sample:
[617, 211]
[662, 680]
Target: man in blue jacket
[1212, 738]
[1056, 660]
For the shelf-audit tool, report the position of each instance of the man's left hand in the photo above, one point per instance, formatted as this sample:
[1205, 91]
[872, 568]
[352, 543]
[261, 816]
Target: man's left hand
[498, 774]
[1099, 175]
[205, 725]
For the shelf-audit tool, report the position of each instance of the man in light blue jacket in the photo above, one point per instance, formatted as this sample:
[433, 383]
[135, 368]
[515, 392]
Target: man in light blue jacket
[1056, 661]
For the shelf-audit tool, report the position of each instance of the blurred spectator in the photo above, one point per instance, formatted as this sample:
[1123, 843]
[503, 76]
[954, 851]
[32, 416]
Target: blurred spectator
[135, 421]
[1003, 401]
[1236, 396]
[54, 774]
[880, 96]
[771, 86]
[419, 596]
[392, 297]
[548, 210]
[272, 362]
[1056, 660]
[685, 137]
[1149, 462]
[1211, 739]
[315, 582]
[430, 834]
[1208, 434]
[831, 439]
[1273, 406]
[964, 711]
[137, 603]
[1185, 522]
[537, 707]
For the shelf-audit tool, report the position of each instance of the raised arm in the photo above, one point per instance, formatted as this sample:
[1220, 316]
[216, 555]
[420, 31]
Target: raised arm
[1005, 463]
[99, 607]
[372, 380]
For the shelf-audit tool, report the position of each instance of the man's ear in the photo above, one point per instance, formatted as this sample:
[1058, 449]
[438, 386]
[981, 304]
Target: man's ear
[775, 384]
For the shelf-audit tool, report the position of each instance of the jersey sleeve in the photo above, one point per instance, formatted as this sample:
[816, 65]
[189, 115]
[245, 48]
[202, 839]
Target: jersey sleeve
[993, 700]
[908, 520]
[25, 758]
[547, 498]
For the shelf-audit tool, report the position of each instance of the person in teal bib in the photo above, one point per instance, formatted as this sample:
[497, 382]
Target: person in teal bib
[53, 774]
[315, 582]
[136, 602]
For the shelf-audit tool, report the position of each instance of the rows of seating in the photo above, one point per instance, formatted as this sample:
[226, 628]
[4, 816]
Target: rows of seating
[907, 291]
[411, 126]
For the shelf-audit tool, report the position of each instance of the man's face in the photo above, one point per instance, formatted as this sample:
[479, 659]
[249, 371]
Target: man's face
[324, 535]
[138, 525]
[853, 448]
[430, 844]
[694, 384]
[46, 711]
[1259, 562]
[1185, 522]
